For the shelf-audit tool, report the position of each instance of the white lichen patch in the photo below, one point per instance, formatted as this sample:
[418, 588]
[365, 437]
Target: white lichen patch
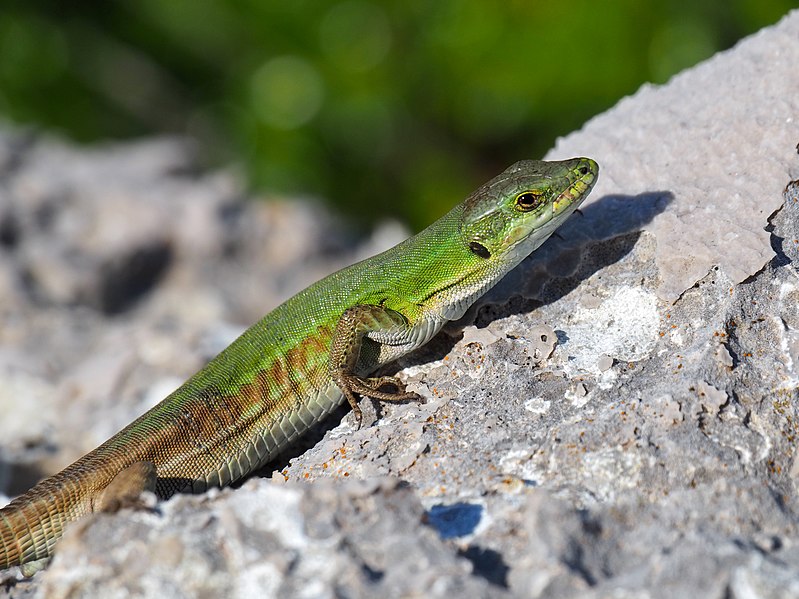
[624, 326]
[537, 405]
[519, 462]
[785, 325]
[578, 395]
[663, 410]
[608, 471]
[789, 344]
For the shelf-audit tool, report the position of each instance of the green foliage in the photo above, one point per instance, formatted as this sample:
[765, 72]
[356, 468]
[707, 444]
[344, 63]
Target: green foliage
[383, 107]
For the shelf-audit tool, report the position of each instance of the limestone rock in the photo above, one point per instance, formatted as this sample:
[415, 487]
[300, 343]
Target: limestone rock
[618, 418]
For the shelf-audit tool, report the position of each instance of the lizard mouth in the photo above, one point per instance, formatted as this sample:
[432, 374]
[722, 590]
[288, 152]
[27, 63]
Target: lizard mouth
[529, 235]
[573, 195]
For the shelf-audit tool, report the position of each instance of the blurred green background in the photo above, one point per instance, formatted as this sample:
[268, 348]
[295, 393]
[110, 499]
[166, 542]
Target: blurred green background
[384, 108]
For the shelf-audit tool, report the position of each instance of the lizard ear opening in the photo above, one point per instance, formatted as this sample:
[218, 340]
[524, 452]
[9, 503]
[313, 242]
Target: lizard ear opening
[479, 249]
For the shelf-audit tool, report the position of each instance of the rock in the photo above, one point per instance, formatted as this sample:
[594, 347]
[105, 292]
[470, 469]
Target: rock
[617, 418]
[363, 539]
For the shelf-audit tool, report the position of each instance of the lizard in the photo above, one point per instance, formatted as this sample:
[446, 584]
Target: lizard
[302, 360]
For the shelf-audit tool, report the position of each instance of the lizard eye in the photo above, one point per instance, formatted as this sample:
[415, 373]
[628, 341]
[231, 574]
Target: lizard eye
[529, 200]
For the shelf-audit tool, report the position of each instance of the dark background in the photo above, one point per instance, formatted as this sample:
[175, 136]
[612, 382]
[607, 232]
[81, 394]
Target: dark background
[383, 108]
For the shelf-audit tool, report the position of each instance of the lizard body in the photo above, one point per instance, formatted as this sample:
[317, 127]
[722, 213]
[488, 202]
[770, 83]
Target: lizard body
[303, 359]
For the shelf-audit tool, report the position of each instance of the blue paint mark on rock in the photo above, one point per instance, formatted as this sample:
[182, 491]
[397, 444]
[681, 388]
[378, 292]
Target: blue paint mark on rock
[455, 520]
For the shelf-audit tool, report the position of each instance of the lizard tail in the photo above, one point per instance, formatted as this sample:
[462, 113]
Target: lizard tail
[33, 522]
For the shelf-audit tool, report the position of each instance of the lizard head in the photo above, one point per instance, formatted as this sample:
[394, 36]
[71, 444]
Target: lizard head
[514, 213]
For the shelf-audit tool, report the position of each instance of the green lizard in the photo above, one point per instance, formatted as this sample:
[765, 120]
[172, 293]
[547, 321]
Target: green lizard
[303, 359]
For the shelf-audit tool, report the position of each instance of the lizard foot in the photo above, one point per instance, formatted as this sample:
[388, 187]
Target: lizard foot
[126, 488]
[383, 388]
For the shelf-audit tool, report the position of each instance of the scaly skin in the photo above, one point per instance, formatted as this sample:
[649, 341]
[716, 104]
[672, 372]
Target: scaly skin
[302, 360]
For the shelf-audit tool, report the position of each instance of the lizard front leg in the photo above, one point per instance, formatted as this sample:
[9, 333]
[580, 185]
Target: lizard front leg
[382, 326]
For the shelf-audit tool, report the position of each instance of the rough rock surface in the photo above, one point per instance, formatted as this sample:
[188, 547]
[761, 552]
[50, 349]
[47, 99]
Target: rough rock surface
[718, 140]
[618, 418]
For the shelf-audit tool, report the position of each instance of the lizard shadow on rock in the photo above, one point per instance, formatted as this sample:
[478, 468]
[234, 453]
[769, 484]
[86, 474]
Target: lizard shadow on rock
[599, 235]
